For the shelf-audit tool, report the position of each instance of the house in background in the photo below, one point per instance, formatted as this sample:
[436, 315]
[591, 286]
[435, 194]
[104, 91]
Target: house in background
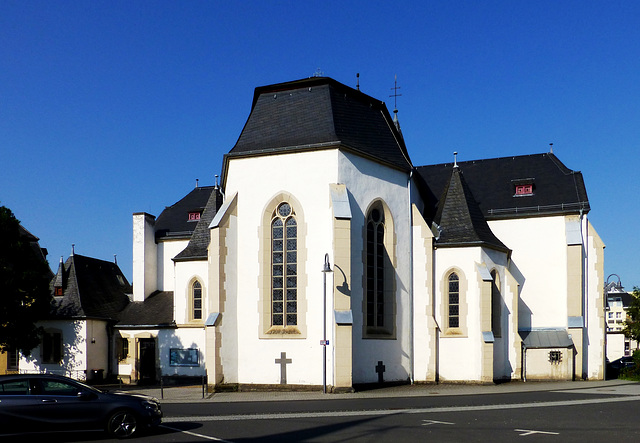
[618, 300]
[89, 295]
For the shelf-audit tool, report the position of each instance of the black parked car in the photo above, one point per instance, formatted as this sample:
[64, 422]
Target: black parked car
[42, 402]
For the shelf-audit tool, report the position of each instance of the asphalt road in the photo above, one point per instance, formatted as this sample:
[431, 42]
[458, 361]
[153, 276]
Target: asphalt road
[546, 416]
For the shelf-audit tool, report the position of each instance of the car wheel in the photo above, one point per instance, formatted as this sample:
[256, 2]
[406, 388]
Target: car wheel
[122, 424]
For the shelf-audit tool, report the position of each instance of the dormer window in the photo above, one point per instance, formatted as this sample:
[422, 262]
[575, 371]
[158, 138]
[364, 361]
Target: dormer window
[58, 291]
[523, 187]
[194, 216]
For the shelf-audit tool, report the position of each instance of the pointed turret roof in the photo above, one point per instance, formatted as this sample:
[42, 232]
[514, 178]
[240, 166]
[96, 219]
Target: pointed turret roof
[459, 220]
[199, 242]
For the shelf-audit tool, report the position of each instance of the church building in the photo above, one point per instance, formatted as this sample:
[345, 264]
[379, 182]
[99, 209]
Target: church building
[326, 258]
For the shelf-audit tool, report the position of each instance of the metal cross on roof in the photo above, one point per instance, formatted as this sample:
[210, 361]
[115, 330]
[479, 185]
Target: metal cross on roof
[395, 94]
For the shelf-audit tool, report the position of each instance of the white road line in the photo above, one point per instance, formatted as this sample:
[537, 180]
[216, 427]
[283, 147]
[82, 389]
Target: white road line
[383, 412]
[435, 422]
[193, 434]
[530, 432]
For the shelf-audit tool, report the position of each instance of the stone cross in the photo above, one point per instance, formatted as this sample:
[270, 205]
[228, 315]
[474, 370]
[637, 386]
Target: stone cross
[380, 370]
[282, 361]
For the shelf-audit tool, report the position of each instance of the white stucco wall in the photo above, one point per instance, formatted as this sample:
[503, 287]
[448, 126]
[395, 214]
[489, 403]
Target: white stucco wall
[306, 176]
[166, 339]
[167, 249]
[186, 274]
[145, 256]
[538, 366]
[74, 351]
[366, 182]
[539, 264]
[595, 321]
[460, 356]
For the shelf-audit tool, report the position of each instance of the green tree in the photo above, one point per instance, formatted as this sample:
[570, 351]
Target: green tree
[632, 323]
[25, 296]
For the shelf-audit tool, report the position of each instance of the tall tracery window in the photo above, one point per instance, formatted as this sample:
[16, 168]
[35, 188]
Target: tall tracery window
[196, 300]
[284, 266]
[453, 293]
[375, 257]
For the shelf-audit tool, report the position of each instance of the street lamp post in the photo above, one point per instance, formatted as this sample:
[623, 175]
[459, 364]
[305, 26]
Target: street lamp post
[325, 270]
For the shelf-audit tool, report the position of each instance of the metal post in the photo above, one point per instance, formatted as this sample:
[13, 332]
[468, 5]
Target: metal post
[325, 270]
[324, 334]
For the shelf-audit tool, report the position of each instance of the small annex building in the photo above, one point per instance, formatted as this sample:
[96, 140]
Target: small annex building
[89, 296]
[325, 257]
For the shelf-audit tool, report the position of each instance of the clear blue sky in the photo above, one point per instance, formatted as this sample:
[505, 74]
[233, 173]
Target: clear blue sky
[113, 107]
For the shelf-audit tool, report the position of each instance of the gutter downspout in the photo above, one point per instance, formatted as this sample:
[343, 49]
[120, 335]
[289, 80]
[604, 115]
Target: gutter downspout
[585, 293]
[524, 362]
[412, 308]
[436, 332]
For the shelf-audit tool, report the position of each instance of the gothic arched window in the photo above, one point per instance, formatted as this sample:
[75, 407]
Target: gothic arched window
[375, 269]
[284, 266]
[453, 294]
[196, 300]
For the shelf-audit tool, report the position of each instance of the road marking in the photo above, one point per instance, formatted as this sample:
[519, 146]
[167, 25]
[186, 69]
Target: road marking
[530, 432]
[435, 422]
[382, 412]
[193, 434]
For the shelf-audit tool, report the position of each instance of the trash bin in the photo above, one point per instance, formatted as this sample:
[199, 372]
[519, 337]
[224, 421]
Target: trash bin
[97, 375]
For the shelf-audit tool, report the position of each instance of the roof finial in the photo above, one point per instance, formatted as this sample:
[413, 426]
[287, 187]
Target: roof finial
[550, 148]
[455, 159]
[216, 185]
[115, 258]
[395, 96]
[358, 81]
[318, 73]
[197, 180]
[73, 249]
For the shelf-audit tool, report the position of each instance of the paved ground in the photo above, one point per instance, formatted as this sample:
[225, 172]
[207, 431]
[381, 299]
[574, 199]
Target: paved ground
[191, 394]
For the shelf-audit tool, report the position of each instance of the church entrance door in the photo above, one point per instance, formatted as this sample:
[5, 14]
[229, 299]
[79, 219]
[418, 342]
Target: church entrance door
[147, 360]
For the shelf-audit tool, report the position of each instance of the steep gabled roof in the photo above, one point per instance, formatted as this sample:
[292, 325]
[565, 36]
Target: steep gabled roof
[199, 242]
[318, 113]
[556, 188]
[92, 288]
[174, 221]
[459, 219]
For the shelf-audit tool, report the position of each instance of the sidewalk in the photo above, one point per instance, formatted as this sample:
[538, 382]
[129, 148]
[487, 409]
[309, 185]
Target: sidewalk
[194, 394]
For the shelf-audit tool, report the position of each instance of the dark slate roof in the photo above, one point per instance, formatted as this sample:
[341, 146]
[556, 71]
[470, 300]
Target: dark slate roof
[155, 311]
[556, 188]
[459, 219]
[174, 222]
[544, 339]
[199, 242]
[92, 288]
[317, 113]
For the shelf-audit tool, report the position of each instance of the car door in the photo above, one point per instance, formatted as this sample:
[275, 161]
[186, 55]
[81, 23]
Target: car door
[17, 406]
[66, 404]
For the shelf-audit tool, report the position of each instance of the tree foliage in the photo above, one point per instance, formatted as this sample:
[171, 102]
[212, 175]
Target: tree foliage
[25, 296]
[632, 323]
